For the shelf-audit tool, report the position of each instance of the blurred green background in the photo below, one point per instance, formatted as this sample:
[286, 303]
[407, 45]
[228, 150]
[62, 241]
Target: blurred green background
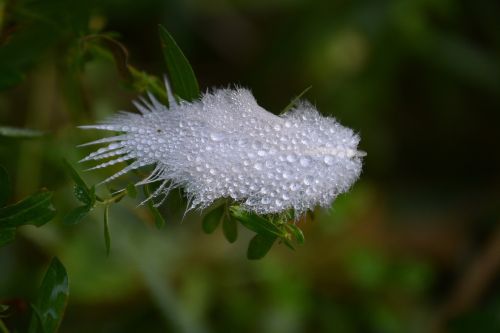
[413, 247]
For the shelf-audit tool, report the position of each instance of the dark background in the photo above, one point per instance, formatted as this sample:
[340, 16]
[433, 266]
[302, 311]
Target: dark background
[413, 247]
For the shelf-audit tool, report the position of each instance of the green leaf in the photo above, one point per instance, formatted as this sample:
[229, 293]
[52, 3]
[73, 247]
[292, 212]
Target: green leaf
[36, 209]
[180, 73]
[131, 191]
[256, 222]
[20, 133]
[36, 316]
[259, 246]
[5, 188]
[107, 238]
[83, 193]
[76, 215]
[229, 228]
[52, 299]
[295, 100]
[212, 220]
[296, 232]
[159, 220]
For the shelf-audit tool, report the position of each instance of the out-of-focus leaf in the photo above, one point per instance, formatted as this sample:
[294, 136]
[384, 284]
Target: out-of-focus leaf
[212, 220]
[294, 101]
[259, 246]
[82, 192]
[4, 186]
[20, 133]
[52, 299]
[181, 75]
[255, 222]
[36, 209]
[107, 238]
[229, 228]
[159, 220]
[76, 215]
[131, 191]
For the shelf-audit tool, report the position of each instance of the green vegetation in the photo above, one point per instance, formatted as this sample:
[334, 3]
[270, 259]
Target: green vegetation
[412, 248]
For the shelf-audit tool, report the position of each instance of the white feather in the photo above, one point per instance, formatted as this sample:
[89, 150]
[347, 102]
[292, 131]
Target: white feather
[226, 145]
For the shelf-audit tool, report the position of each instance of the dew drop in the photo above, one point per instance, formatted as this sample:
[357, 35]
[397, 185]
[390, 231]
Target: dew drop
[215, 136]
[304, 161]
[328, 160]
[258, 166]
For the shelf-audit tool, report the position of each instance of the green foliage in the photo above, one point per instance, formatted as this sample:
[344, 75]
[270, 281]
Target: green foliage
[259, 245]
[48, 310]
[180, 73]
[416, 78]
[212, 220]
[83, 193]
[158, 218]
[229, 227]
[30, 28]
[268, 229]
[34, 210]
